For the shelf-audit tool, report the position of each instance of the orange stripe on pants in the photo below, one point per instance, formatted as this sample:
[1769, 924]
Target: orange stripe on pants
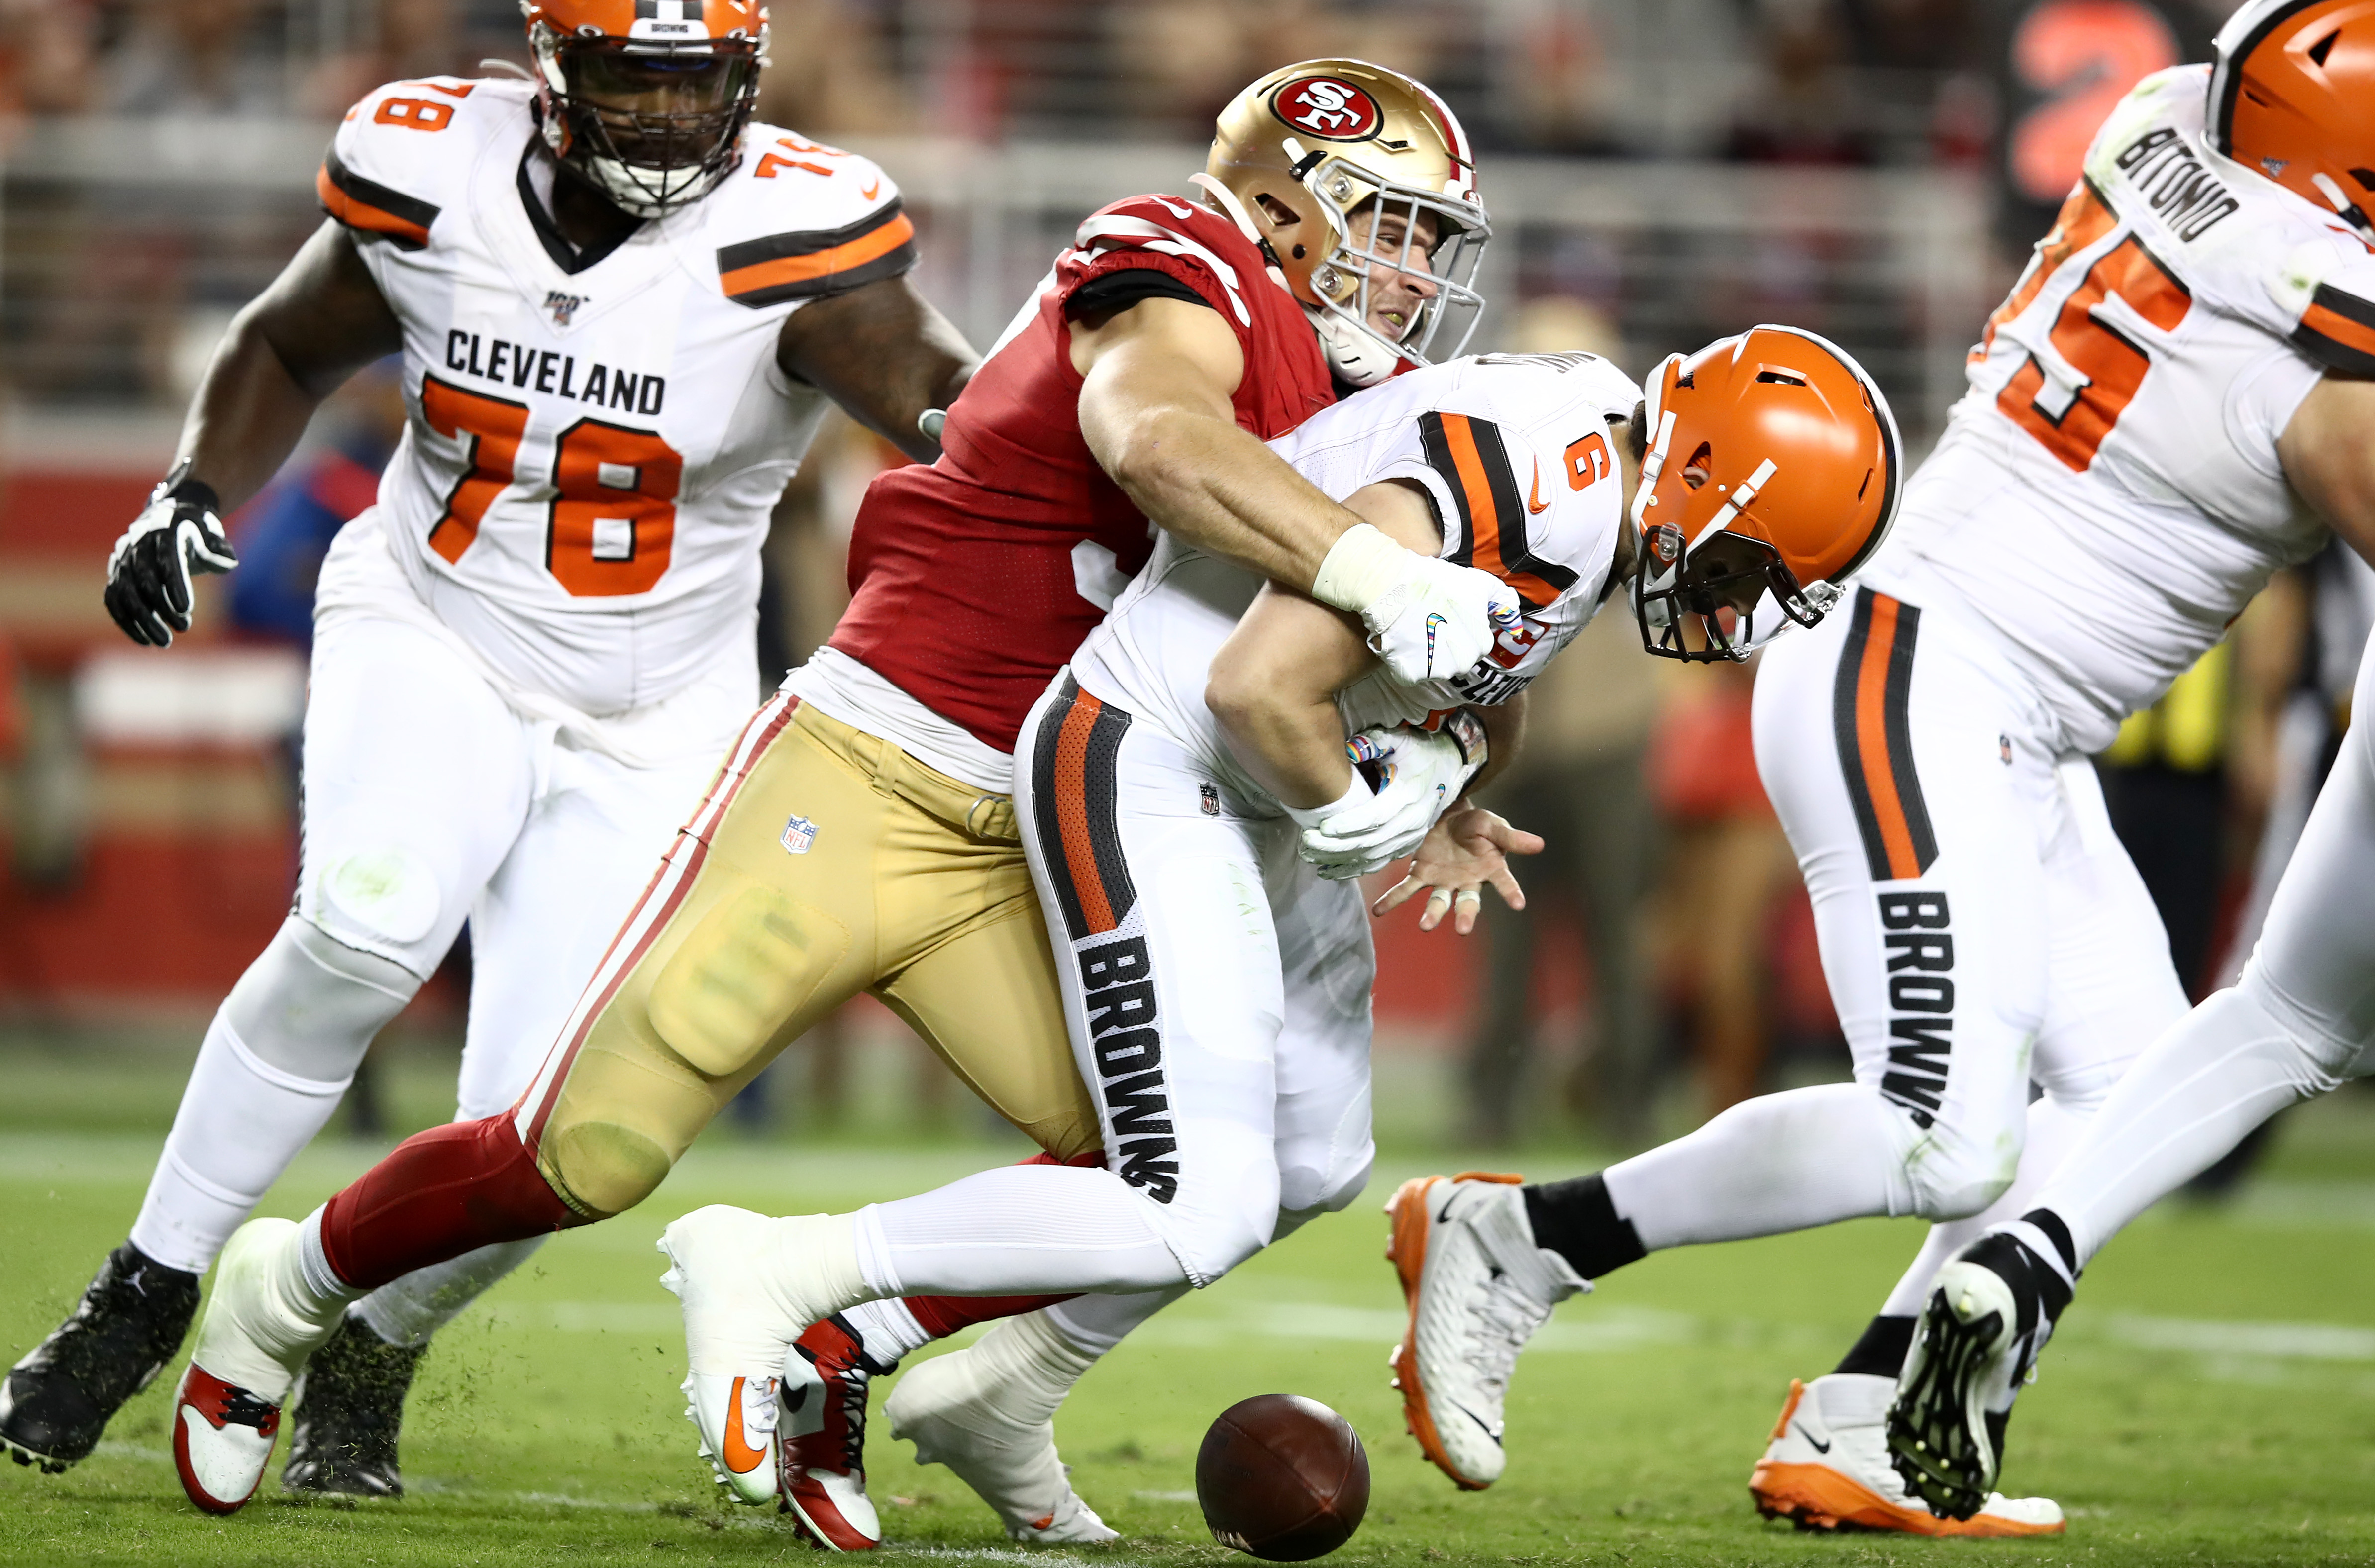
[1871, 740]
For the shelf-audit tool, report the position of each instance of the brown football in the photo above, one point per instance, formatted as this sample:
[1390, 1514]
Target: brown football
[1282, 1477]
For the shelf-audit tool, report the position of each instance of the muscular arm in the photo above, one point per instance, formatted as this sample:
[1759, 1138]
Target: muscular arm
[885, 354]
[321, 319]
[1155, 410]
[1273, 684]
[2328, 452]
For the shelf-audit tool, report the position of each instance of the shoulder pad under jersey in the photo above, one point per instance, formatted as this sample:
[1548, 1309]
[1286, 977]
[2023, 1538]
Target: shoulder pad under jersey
[402, 154]
[1173, 234]
[1522, 388]
[800, 220]
[2243, 243]
[2327, 285]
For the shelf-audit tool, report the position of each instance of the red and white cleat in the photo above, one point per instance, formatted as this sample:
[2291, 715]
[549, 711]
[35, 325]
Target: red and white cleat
[261, 1325]
[821, 1438]
[1826, 1468]
[222, 1440]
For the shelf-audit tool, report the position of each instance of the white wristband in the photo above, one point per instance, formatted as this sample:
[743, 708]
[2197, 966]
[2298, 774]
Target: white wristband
[1361, 567]
[1356, 794]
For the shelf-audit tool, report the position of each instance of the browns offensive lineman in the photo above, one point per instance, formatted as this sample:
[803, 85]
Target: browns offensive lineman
[621, 306]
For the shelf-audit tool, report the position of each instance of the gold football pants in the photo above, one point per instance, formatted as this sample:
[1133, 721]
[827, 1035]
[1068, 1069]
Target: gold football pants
[824, 862]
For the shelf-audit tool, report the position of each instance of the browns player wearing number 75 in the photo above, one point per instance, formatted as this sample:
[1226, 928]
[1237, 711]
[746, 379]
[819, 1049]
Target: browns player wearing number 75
[621, 306]
[2181, 367]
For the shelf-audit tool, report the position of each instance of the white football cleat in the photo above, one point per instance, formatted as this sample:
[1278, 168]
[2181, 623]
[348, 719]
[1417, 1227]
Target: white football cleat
[1973, 1349]
[951, 1412]
[1477, 1287]
[735, 1338]
[1827, 1469]
[735, 1418]
[251, 1342]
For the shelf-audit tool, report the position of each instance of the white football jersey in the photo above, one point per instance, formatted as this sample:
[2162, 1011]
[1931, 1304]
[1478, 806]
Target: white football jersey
[1515, 454]
[591, 455]
[2107, 493]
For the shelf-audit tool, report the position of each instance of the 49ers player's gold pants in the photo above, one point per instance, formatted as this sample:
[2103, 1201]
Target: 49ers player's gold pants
[824, 862]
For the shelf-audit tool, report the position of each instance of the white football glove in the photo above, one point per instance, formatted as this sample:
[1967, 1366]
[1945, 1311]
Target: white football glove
[178, 534]
[1424, 772]
[1428, 619]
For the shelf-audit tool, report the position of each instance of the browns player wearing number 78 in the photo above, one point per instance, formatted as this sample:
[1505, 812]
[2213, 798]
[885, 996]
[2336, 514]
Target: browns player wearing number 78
[2180, 369]
[621, 306]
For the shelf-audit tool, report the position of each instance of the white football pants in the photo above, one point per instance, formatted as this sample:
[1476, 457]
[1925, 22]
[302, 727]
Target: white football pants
[1980, 928]
[427, 800]
[1217, 990]
[2299, 1021]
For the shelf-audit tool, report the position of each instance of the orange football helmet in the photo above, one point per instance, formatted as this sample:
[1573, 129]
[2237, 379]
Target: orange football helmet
[645, 99]
[1330, 139]
[1772, 472]
[2292, 96]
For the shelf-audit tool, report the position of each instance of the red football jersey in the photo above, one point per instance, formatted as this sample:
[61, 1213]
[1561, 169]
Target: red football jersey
[963, 573]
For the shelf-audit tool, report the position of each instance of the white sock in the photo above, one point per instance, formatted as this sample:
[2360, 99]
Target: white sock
[1094, 1324]
[1020, 1229]
[1778, 1163]
[308, 1283]
[1031, 1364]
[2053, 1131]
[407, 1311]
[2229, 1066]
[887, 1331]
[242, 1121]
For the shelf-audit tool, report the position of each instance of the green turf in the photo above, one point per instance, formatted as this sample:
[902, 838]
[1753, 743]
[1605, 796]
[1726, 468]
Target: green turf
[2193, 1411]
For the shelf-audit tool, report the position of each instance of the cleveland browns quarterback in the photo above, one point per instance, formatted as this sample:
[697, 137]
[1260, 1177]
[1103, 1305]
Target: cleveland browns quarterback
[1194, 824]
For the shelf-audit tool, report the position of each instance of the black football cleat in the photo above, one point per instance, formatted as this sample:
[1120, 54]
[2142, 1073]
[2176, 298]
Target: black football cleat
[343, 1436]
[132, 1317]
[1990, 1311]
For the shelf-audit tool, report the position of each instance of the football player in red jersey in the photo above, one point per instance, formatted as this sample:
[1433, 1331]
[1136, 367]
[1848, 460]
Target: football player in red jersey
[860, 836]
[620, 309]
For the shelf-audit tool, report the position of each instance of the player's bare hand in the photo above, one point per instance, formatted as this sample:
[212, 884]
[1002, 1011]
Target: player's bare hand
[1461, 854]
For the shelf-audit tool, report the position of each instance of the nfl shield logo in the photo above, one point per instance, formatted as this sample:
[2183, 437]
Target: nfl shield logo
[798, 834]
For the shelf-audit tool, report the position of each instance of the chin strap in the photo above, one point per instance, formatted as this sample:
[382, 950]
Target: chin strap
[1235, 210]
[1352, 352]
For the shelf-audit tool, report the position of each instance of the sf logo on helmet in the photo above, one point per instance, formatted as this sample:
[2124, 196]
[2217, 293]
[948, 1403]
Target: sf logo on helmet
[1325, 106]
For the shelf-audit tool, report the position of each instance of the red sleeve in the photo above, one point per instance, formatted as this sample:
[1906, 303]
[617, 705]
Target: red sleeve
[1190, 243]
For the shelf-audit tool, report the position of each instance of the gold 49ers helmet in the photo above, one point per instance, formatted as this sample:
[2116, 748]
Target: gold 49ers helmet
[645, 99]
[1351, 174]
[2292, 96]
[1772, 473]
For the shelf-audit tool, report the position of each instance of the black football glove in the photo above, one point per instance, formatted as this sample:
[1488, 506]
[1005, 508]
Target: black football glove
[178, 534]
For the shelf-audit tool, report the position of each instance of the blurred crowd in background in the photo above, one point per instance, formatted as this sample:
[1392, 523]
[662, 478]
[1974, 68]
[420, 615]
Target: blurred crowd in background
[1834, 81]
[1660, 171]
